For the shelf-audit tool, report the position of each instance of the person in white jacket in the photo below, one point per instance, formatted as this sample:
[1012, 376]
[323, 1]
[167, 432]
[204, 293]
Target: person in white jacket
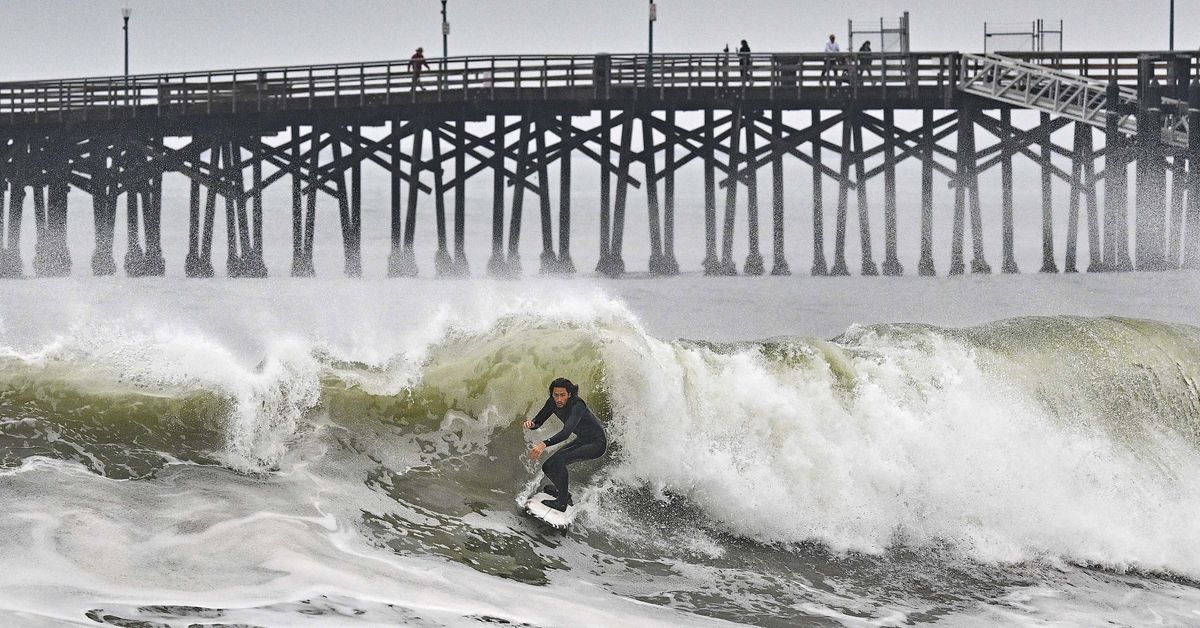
[831, 49]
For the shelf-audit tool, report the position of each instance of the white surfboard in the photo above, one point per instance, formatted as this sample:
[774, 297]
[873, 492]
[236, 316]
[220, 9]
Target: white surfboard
[535, 507]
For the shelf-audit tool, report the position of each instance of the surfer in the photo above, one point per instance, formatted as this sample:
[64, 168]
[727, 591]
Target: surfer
[590, 441]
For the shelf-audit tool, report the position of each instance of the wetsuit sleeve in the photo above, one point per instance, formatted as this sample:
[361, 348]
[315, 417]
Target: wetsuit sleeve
[543, 414]
[569, 425]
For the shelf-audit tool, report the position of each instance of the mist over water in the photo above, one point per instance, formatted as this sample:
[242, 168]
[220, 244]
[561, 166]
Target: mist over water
[350, 453]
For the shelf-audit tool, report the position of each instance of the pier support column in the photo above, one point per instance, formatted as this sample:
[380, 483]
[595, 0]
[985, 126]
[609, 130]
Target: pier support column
[352, 229]
[496, 266]
[513, 259]
[754, 259]
[650, 160]
[615, 265]
[104, 216]
[254, 265]
[1095, 263]
[1116, 182]
[860, 181]
[154, 263]
[1009, 265]
[966, 131]
[925, 267]
[233, 257]
[1151, 184]
[1191, 243]
[39, 227]
[712, 266]
[669, 266]
[819, 268]
[565, 264]
[406, 261]
[1179, 167]
[839, 244]
[728, 267]
[443, 264]
[11, 264]
[605, 190]
[192, 266]
[891, 263]
[461, 267]
[3, 220]
[1074, 202]
[53, 258]
[401, 262]
[1048, 263]
[779, 265]
[245, 248]
[303, 213]
[133, 188]
[979, 263]
[548, 263]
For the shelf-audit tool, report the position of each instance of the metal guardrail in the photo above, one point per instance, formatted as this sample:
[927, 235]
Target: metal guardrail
[1048, 89]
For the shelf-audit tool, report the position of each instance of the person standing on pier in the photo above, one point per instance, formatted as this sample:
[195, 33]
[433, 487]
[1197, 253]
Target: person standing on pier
[864, 61]
[831, 49]
[744, 60]
[416, 65]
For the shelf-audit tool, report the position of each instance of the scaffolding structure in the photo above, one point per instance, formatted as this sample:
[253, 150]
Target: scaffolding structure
[1036, 36]
[892, 34]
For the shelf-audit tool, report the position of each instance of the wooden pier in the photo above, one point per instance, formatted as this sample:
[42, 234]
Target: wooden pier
[234, 133]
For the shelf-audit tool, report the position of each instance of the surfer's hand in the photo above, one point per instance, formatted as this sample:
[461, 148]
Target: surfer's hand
[537, 450]
[528, 424]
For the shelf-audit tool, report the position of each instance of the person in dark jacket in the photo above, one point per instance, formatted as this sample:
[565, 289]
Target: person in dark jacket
[864, 61]
[744, 59]
[590, 440]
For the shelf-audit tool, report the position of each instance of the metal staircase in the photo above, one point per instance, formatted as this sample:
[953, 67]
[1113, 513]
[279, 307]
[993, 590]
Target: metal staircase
[1072, 96]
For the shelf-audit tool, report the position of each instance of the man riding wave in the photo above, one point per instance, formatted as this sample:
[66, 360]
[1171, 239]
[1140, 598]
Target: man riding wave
[590, 440]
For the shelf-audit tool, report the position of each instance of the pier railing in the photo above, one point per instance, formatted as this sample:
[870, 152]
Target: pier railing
[529, 78]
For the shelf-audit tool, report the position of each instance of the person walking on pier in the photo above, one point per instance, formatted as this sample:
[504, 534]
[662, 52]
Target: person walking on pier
[744, 60]
[590, 440]
[416, 65]
[831, 50]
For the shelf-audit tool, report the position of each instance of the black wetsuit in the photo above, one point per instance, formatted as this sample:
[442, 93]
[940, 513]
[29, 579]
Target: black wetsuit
[590, 441]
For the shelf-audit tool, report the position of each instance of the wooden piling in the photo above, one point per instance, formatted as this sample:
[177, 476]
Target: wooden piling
[564, 264]
[839, 246]
[779, 265]
[728, 267]
[711, 265]
[1048, 263]
[819, 267]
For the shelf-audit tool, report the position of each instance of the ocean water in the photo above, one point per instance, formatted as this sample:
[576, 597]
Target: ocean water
[1007, 450]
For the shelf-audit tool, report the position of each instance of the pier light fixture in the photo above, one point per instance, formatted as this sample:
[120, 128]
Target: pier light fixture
[445, 32]
[126, 12]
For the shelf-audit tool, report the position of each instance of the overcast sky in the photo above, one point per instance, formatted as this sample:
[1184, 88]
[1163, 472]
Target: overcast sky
[68, 38]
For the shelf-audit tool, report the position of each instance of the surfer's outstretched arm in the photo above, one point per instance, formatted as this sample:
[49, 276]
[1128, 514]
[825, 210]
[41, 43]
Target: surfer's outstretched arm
[541, 416]
[569, 425]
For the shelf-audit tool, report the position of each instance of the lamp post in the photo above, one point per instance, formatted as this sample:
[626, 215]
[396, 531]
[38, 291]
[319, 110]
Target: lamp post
[650, 48]
[1172, 40]
[445, 31]
[125, 13]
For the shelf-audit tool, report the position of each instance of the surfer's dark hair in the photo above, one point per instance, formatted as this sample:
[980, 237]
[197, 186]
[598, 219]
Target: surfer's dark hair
[562, 382]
